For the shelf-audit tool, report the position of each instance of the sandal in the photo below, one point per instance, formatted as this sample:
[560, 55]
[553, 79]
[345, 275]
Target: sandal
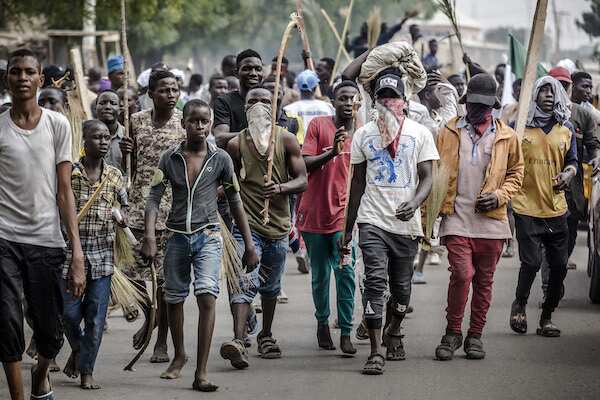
[375, 365]
[518, 318]
[268, 347]
[395, 347]
[131, 313]
[46, 396]
[548, 329]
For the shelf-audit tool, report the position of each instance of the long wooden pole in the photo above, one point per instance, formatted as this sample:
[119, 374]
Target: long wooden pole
[533, 56]
[294, 21]
[336, 34]
[126, 84]
[344, 33]
[305, 43]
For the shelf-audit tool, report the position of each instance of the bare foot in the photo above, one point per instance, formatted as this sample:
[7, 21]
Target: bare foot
[160, 355]
[40, 385]
[88, 382]
[202, 384]
[71, 368]
[174, 369]
[54, 366]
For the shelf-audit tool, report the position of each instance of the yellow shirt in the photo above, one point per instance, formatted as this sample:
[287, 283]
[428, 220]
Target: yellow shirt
[544, 156]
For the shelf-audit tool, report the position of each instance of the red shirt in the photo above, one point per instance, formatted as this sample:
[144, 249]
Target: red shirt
[321, 208]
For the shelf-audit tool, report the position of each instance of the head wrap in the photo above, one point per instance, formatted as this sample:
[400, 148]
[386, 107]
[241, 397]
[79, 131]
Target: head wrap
[115, 63]
[390, 120]
[259, 125]
[561, 111]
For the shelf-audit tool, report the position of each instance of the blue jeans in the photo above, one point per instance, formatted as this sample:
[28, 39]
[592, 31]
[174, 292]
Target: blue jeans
[202, 250]
[265, 279]
[91, 308]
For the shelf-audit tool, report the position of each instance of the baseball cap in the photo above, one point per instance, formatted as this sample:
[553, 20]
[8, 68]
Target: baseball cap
[390, 81]
[560, 74]
[307, 80]
[481, 89]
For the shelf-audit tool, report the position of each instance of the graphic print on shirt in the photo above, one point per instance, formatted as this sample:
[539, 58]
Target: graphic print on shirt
[396, 172]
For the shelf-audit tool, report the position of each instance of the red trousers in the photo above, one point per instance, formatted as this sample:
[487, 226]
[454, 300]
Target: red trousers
[471, 261]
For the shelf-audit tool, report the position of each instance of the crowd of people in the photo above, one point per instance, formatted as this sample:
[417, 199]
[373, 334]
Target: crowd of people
[347, 172]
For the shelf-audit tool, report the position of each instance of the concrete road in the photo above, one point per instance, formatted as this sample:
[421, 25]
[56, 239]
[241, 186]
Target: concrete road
[516, 367]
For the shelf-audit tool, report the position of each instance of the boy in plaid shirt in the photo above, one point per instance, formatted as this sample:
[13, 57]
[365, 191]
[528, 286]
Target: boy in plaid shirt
[97, 232]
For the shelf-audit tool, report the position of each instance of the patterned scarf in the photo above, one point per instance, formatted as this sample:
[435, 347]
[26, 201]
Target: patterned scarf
[479, 116]
[390, 121]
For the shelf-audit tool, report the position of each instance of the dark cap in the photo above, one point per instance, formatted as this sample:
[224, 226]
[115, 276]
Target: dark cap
[481, 89]
[390, 81]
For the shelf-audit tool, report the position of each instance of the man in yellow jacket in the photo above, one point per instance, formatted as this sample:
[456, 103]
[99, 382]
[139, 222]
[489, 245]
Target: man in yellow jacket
[485, 163]
[550, 153]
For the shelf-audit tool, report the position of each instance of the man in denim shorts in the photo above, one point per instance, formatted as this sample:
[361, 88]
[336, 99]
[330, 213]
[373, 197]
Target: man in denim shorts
[194, 170]
[249, 151]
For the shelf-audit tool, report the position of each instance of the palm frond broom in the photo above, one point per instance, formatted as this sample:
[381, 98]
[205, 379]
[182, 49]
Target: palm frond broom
[373, 27]
[448, 8]
[433, 204]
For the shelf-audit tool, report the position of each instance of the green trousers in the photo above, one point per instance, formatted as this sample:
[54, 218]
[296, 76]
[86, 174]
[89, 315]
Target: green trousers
[324, 257]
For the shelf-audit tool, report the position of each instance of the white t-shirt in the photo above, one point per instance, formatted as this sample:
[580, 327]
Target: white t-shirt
[28, 183]
[309, 109]
[391, 182]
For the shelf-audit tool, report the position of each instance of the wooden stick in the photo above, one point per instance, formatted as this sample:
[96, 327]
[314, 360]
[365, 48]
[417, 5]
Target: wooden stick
[305, 42]
[533, 56]
[355, 108]
[344, 33]
[126, 92]
[294, 21]
[80, 85]
[336, 34]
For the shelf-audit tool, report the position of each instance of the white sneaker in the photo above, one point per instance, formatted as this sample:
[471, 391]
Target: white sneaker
[434, 259]
[282, 298]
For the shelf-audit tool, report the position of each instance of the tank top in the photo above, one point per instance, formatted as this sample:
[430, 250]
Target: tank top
[252, 172]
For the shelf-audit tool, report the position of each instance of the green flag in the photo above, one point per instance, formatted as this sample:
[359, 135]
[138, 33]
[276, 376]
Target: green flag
[518, 58]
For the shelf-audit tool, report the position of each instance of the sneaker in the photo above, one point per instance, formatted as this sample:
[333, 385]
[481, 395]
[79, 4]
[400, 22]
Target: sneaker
[235, 351]
[474, 348]
[509, 252]
[252, 322]
[302, 260]
[434, 259]
[282, 298]
[418, 278]
[449, 344]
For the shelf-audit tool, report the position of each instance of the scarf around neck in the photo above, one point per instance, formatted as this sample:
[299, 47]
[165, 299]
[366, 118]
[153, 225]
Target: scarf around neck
[561, 112]
[390, 120]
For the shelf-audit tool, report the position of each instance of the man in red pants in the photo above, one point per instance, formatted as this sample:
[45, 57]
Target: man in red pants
[485, 163]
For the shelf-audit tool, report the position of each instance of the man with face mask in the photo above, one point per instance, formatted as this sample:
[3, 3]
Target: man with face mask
[540, 206]
[250, 152]
[392, 158]
[485, 163]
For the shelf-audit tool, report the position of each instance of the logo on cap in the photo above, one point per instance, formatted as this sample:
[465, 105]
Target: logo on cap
[388, 81]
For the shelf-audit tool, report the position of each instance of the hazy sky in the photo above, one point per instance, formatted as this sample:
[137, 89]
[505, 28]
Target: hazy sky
[519, 13]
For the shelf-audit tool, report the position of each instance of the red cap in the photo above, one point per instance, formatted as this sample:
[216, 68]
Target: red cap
[560, 74]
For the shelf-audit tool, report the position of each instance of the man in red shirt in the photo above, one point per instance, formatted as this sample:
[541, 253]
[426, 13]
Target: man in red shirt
[326, 153]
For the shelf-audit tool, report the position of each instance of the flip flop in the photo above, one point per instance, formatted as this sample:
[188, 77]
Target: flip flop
[375, 365]
[548, 329]
[518, 318]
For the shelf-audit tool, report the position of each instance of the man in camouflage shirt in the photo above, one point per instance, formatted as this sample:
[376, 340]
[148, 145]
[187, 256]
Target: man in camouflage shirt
[153, 131]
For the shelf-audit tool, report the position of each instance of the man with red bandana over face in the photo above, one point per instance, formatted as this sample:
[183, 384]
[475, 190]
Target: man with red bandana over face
[392, 158]
[484, 160]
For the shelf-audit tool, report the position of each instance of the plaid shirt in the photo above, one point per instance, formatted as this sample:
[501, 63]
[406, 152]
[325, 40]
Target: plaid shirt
[96, 229]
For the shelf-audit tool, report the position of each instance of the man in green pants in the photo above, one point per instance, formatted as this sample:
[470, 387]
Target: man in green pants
[326, 153]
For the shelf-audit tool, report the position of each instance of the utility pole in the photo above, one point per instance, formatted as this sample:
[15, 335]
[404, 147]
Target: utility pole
[90, 58]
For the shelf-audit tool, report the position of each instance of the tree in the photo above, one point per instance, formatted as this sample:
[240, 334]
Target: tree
[590, 20]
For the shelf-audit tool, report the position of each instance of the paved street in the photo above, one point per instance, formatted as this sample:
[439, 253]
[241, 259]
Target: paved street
[528, 367]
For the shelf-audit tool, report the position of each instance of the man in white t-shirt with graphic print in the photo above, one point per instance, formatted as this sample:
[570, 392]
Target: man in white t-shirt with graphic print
[392, 159]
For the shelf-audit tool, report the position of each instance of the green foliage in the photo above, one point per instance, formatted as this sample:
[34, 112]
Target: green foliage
[212, 28]
[590, 20]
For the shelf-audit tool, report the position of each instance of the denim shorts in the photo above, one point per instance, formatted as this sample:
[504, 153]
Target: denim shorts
[266, 279]
[202, 250]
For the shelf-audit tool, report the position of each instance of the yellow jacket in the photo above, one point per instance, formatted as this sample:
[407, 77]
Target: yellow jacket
[504, 173]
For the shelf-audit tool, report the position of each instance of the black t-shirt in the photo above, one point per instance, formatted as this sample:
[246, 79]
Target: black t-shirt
[229, 110]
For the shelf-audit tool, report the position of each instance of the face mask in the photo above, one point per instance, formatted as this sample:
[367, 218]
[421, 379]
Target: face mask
[390, 120]
[479, 114]
[259, 126]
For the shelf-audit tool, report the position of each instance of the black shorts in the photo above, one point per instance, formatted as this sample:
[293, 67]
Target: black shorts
[32, 273]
